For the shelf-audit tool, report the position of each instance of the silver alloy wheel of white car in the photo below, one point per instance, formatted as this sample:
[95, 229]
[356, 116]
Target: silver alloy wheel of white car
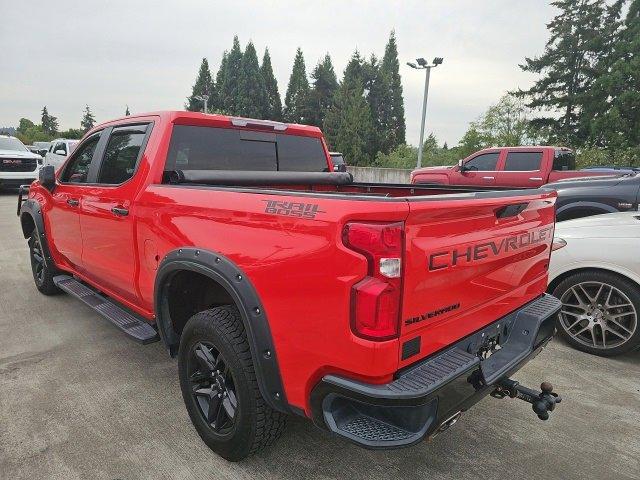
[598, 315]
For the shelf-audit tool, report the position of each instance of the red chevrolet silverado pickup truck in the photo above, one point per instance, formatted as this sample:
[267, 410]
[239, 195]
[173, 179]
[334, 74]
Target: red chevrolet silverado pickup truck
[506, 167]
[381, 312]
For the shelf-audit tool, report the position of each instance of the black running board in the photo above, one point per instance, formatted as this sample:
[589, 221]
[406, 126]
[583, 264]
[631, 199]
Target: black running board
[134, 326]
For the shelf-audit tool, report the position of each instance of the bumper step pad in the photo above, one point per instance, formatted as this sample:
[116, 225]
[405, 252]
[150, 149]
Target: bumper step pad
[129, 323]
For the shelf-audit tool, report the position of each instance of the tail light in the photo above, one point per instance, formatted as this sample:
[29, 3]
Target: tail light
[376, 300]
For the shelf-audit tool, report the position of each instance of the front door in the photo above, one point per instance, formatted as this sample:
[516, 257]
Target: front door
[108, 253]
[479, 170]
[64, 216]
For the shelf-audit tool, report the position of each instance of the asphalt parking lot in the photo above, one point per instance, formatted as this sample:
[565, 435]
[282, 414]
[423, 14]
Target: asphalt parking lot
[78, 399]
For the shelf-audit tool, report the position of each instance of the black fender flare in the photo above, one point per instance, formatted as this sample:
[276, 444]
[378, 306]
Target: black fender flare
[31, 207]
[592, 205]
[228, 275]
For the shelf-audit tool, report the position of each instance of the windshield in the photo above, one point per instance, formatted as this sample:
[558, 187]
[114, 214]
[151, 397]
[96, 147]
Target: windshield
[11, 143]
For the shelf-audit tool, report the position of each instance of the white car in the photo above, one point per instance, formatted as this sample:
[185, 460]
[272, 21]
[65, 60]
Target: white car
[595, 272]
[18, 166]
[59, 151]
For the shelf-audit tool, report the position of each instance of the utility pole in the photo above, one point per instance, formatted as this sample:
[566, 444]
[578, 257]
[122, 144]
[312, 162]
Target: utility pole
[204, 98]
[423, 65]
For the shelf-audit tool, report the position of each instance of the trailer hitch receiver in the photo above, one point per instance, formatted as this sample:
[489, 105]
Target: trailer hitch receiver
[542, 402]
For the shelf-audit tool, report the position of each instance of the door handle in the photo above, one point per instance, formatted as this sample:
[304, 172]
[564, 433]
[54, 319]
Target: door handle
[536, 179]
[73, 202]
[120, 211]
[489, 178]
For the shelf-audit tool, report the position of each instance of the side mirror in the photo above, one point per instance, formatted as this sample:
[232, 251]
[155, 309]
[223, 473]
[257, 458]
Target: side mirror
[461, 166]
[60, 152]
[47, 177]
[340, 168]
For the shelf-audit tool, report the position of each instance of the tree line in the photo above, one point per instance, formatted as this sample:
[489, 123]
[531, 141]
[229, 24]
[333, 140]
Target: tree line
[49, 129]
[362, 115]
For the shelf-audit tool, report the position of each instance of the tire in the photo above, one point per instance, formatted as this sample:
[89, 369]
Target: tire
[214, 357]
[600, 313]
[42, 273]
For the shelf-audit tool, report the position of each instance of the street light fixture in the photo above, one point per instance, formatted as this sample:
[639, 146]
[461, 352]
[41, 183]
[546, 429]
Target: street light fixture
[424, 65]
[203, 98]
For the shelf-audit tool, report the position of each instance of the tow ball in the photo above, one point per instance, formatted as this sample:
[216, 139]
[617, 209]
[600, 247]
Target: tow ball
[542, 402]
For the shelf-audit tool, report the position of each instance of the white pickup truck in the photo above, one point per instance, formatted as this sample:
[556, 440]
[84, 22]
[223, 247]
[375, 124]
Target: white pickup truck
[18, 166]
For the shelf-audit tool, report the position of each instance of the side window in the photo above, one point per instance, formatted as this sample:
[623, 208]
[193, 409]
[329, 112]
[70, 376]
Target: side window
[78, 168]
[121, 154]
[486, 162]
[61, 146]
[564, 160]
[522, 161]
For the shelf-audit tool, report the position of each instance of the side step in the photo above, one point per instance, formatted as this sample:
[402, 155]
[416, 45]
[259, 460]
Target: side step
[129, 323]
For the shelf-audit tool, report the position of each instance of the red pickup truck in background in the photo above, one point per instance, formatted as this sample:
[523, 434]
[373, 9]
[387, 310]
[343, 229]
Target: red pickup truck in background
[504, 167]
[381, 312]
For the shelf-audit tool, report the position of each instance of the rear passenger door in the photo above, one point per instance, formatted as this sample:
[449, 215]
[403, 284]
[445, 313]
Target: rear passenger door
[522, 168]
[108, 253]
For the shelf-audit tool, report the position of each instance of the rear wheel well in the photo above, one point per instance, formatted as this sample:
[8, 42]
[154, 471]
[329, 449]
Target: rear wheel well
[560, 278]
[190, 292]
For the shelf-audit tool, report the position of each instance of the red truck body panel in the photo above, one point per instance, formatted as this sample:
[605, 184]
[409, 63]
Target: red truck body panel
[504, 167]
[464, 265]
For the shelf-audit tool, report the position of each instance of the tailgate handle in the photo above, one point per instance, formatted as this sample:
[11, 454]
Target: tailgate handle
[510, 210]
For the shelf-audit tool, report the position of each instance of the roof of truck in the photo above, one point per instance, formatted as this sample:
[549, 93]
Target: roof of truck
[181, 117]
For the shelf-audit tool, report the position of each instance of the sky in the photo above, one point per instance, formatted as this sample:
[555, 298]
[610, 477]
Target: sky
[67, 54]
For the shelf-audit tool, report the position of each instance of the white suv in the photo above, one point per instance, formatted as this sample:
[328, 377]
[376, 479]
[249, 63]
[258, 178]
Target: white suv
[18, 165]
[59, 151]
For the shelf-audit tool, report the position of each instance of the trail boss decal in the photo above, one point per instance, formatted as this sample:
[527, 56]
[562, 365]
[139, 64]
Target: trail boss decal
[293, 209]
[480, 251]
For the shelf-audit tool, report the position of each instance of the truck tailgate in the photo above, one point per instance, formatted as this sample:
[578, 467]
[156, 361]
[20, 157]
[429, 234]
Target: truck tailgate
[470, 261]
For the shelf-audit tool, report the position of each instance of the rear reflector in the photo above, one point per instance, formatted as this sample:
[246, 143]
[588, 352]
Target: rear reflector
[376, 300]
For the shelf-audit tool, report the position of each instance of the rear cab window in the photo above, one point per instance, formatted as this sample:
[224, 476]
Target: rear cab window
[564, 160]
[523, 161]
[214, 148]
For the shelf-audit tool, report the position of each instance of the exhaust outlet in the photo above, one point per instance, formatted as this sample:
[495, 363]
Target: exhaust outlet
[449, 422]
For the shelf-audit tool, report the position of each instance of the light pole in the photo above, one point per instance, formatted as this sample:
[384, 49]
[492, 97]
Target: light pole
[424, 65]
[203, 98]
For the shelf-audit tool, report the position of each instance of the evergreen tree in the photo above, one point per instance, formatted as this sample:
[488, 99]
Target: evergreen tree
[204, 86]
[348, 125]
[49, 122]
[295, 101]
[126, 112]
[320, 96]
[616, 112]
[390, 108]
[377, 85]
[88, 120]
[568, 68]
[229, 89]
[252, 93]
[274, 104]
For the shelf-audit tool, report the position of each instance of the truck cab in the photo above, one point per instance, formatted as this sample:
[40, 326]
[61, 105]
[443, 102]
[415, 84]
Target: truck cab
[506, 167]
